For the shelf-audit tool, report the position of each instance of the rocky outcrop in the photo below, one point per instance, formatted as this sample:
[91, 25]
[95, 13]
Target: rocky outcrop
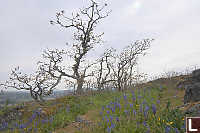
[193, 109]
[8, 115]
[192, 89]
[192, 93]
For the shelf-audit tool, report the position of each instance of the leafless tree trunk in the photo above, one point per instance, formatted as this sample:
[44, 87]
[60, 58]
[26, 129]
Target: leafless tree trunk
[84, 23]
[119, 68]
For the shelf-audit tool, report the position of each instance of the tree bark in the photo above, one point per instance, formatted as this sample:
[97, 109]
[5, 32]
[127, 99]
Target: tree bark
[80, 82]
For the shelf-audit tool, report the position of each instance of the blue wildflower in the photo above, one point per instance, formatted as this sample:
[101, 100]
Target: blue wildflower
[153, 108]
[101, 113]
[145, 124]
[134, 112]
[111, 117]
[113, 110]
[117, 119]
[112, 125]
[108, 112]
[176, 130]
[108, 106]
[109, 129]
[102, 108]
[126, 112]
[102, 118]
[167, 129]
[67, 109]
[131, 105]
[125, 97]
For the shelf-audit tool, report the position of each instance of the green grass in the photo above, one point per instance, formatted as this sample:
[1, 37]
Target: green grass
[64, 112]
[60, 113]
[124, 120]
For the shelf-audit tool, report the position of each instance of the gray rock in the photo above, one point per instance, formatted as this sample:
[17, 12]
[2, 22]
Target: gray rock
[196, 75]
[192, 93]
[192, 87]
[194, 110]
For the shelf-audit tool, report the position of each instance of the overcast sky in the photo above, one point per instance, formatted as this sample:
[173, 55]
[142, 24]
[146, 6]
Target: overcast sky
[174, 24]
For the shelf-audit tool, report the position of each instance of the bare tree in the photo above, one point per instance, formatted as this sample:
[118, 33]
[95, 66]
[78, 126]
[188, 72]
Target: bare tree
[84, 23]
[126, 61]
[103, 69]
[39, 84]
[119, 68]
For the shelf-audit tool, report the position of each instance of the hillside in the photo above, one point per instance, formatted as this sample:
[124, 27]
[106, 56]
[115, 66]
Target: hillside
[148, 108]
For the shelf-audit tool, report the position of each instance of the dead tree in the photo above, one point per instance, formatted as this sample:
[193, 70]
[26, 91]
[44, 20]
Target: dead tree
[84, 23]
[39, 84]
[126, 61]
[104, 71]
[120, 68]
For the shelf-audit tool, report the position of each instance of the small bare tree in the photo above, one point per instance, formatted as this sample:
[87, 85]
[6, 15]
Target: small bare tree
[103, 69]
[126, 60]
[119, 68]
[39, 84]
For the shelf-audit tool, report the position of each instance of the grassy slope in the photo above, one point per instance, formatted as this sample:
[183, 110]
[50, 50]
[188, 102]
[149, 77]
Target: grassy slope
[61, 114]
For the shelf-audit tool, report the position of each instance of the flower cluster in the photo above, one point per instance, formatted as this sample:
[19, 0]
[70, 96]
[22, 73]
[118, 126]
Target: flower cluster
[33, 124]
[134, 109]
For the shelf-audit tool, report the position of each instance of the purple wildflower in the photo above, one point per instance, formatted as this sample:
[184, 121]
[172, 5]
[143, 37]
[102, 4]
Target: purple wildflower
[139, 97]
[101, 113]
[133, 98]
[146, 111]
[102, 108]
[108, 106]
[108, 112]
[176, 130]
[158, 101]
[146, 108]
[125, 97]
[134, 112]
[145, 124]
[111, 117]
[167, 129]
[44, 121]
[51, 119]
[144, 102]
[133, 93]
[112, 109]
[148, 130]
[154, 108]
[109, 129]
[22, 126]
[119, 105]
[107, 120]
[117, 119]
[137, 124]
[131, 105]
[112, 125]
[35, 130]
[126, 112]
[67, 109]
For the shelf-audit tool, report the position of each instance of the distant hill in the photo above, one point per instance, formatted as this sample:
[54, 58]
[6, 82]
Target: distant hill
[14, 97]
